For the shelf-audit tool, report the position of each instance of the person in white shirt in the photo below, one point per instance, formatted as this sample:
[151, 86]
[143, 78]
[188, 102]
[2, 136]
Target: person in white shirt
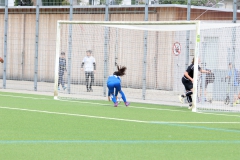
[89, 68]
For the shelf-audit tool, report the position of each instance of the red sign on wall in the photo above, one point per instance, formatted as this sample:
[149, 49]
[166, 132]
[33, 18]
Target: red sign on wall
[176, 48]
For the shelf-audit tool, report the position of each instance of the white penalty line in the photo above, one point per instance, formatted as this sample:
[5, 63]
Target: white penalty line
[72, 101]
[116, 119]
[148, 108]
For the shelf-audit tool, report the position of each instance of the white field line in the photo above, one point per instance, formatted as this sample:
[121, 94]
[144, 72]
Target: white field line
[219, 114]
[116, 119]
[6, 95]
[72, 101]
[148, 108]
[72, 114]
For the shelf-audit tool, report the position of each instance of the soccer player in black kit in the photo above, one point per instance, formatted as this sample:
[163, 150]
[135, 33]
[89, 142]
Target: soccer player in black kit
[187, 81]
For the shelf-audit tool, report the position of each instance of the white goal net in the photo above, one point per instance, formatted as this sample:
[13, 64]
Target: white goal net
[156, 55]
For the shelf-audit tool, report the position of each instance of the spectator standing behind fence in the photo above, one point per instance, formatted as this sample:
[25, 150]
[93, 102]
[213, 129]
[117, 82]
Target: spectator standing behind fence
[235, 74]
[209, 78]
[90, 68]
[62, 68]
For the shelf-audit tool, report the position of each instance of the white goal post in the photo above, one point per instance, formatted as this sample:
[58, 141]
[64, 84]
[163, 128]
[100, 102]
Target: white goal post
[106, 37]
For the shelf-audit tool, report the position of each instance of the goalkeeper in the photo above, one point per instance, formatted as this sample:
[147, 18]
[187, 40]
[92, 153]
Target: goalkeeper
[187, 81]
[62, 68]
[114, 82]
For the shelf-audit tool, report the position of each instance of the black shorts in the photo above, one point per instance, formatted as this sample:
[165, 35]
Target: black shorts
[187, 84]
[89, 74]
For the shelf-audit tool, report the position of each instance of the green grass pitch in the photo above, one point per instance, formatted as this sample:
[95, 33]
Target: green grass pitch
[38, 127]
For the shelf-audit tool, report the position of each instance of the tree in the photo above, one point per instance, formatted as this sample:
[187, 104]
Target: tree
[118, 2]
[2, 2]
[79, 1]
[112, 2]
[172, 1]
[53, 2]
[65, 3]
[23, 3]
[133, 2]
[207, 3]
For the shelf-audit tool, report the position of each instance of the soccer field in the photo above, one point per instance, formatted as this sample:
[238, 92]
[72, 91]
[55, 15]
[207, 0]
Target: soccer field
[38, 127]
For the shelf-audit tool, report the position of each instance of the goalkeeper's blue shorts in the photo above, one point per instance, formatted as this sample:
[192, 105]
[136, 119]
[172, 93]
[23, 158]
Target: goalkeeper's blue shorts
[114, 85]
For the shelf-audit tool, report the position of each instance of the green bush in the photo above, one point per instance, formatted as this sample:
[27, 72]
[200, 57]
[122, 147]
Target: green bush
[52, 2]
[23, 3]
[193, 2]
[65, 3]
[117, 2]
[172, 1]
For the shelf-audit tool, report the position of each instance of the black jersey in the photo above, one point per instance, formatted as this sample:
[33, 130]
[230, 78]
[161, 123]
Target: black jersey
[190, 71]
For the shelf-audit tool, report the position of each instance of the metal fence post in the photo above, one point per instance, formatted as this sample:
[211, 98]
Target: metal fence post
[116, 49]
[5, 44]
[203, 76]
[234, 11]
[106, 37]
[233, 53]
[188, 34]
[70, 49]
[145, 54]
[36, 47]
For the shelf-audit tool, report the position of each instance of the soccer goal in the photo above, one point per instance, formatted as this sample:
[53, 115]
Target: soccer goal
[156, 54]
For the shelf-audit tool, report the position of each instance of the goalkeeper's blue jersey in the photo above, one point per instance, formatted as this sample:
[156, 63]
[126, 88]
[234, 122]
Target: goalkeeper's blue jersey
[113, 82]
[114, 79]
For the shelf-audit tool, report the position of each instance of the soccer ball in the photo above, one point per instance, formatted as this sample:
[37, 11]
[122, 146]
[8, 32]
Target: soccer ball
[119, 100]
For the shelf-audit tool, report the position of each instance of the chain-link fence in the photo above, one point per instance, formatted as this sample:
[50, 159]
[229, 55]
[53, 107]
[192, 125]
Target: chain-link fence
[29, 28]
